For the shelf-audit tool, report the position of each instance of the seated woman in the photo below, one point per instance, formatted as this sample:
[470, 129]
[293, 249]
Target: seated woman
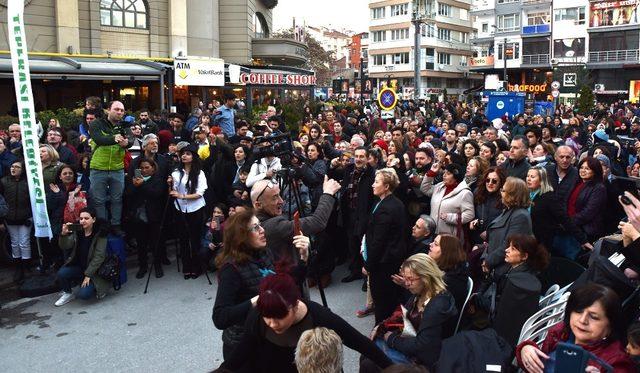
[243, 262]
[593, 321]
[431, 310]
[447, 251]
[512, 293]
[85, 249]
[274, 326]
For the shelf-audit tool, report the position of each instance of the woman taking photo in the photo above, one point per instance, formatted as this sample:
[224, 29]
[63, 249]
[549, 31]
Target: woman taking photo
[384, 247]
[431, 310]
[514, 219]
[274, 326]
[511, 294]
[146, 194]
[593, 320]
[85, 249]
[16, 193]
[451, 199]
[188, 185]
[548, 218]
[588, 199]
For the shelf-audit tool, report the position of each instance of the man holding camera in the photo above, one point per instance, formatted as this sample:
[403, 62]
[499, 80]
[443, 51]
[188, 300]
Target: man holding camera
[107, 164]
[266, 168]
[266, 199]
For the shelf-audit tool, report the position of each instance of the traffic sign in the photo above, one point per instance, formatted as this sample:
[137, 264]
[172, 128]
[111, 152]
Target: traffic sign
[555, 93]
[387, 99]
[555, 84]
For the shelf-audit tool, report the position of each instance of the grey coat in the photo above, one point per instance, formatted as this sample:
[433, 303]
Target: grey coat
[279, 229]
[509, 222]
[95, 257]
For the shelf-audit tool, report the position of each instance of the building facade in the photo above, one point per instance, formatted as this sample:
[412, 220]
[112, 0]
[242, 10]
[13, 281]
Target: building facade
[444, 47]
[574, 42]
[124, 49]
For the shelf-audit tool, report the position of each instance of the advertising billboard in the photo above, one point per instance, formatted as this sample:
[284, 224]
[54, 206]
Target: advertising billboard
[614, 13]
[634, 91]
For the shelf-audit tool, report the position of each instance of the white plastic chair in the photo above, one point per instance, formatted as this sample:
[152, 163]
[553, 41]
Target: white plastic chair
[466, 300]
[548, 296]
[538, 325]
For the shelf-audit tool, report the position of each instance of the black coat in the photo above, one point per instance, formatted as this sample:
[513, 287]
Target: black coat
[151, 195]
[456, 280]
[517, 169]
[548, 218]
[511, 221]
[359, 217]
[590, 207]
[385, 238]
[438, 322]
[564, 188]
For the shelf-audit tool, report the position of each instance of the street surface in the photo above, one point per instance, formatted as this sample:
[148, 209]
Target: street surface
[169, 329]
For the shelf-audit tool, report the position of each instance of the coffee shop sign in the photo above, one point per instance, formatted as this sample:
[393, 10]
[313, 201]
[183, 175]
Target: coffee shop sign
[277, 79]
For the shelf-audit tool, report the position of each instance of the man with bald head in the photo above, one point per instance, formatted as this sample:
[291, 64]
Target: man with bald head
[563, 175]
[107, 164]
[266, 199]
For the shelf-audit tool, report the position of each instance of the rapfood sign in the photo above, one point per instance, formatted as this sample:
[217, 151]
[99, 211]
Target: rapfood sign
[28, 126]
[199, 72]
[277, 79]
[528, 88]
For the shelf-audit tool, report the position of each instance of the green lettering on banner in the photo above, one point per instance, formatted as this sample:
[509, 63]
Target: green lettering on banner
[24, 98]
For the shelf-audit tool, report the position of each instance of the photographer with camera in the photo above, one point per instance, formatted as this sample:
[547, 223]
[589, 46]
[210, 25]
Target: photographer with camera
[279, 230]
[107, 164]
[267, 164]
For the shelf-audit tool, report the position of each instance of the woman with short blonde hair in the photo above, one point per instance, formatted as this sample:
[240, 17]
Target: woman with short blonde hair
[319, 350]
[389, 177]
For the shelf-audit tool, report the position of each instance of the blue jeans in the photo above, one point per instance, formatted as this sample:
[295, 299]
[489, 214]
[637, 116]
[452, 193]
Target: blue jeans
[68, 276]
[107, 186]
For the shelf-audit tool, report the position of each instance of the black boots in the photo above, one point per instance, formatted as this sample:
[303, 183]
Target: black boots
[159, 271]
[141, 271]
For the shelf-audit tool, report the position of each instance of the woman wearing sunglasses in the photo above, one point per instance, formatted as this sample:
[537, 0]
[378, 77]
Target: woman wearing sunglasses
[243, 262]
[487, 202]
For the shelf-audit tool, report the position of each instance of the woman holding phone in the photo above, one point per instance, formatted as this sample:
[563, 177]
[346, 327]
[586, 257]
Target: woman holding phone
[146, 194]
[85, 248]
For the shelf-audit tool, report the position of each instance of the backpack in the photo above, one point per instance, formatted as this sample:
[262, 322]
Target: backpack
[110, 270]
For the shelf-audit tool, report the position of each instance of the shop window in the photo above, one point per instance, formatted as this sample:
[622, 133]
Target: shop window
[123, 13]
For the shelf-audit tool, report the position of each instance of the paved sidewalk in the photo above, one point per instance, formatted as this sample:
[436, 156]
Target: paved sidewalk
[167, 330]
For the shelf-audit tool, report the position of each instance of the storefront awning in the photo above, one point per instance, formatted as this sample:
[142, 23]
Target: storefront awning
[66, 68]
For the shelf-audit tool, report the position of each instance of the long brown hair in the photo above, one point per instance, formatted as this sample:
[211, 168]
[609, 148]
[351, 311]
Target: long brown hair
[235, 246]
[451, 252]
[482, 194]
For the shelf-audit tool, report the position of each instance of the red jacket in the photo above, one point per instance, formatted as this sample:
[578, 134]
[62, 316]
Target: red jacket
[611, 352]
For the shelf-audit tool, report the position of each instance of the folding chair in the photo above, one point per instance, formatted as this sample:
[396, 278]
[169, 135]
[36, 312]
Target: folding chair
[545, 300]
[538, 325]
[466, 300]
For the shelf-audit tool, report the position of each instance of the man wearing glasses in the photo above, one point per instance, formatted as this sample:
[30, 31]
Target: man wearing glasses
[266, 199]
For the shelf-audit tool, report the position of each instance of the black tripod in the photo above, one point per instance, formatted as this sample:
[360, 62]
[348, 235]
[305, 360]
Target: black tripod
[288, 180]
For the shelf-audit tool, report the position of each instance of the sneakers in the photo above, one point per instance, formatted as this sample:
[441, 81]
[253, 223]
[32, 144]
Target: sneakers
[64, 299]
[364, 312]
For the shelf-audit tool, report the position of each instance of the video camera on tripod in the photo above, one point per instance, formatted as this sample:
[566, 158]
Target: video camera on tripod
[278, 145]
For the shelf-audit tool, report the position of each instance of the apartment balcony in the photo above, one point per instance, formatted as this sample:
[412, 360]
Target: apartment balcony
[279, 51]
[536, 30]
[535, 2]
[535, 60]
[629, 55]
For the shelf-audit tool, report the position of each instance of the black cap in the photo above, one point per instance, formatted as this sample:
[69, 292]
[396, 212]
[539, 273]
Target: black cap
[457, 170]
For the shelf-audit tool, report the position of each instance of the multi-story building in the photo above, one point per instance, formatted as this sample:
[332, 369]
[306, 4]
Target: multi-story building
[574, 42]
[444, 48]
[332, 40]
[124, 49]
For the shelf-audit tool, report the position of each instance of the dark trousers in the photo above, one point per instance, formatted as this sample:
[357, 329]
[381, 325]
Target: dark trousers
[68, 276]
[190, 226]
[147, 239]
[385, 294]
[356, 263]
[51, 252]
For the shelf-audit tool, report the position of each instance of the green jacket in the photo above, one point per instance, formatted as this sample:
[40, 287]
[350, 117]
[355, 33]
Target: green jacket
[107, 154]
[97, 254]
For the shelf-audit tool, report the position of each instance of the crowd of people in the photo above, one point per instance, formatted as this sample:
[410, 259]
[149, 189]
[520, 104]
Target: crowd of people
[417, 207]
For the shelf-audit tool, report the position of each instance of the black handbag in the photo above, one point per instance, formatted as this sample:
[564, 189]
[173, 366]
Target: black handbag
[110, 270]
